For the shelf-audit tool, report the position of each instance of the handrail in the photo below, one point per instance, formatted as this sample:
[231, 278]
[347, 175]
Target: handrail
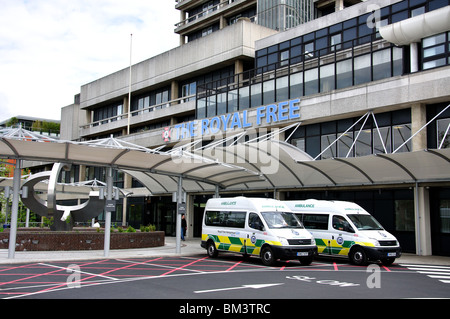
[204, 13]
[150, 108]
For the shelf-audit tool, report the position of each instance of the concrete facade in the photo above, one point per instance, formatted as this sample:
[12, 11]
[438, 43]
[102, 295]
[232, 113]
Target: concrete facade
[416, 90]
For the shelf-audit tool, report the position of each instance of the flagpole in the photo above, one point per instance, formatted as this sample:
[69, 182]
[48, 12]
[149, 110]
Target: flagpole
[129, 86]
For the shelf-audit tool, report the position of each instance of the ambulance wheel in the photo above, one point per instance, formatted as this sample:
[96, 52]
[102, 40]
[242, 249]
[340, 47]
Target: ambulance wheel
[211, 249]
[358, 256]
[267, 256]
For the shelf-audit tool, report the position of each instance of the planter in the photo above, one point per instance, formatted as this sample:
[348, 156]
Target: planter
[81, 240]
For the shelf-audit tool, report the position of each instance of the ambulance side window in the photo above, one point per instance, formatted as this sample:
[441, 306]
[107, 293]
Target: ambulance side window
[255, 222]
[340, 223]
[315, 221]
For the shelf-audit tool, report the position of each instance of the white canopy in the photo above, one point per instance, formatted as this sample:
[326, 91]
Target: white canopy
[262, 165]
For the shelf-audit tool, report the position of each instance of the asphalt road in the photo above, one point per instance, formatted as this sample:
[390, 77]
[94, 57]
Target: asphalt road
[229, 276]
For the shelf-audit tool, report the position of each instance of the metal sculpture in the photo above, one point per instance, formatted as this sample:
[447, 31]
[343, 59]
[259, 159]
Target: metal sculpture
[64, 217]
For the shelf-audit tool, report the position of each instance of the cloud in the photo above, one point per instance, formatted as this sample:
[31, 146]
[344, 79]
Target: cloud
[49, 48]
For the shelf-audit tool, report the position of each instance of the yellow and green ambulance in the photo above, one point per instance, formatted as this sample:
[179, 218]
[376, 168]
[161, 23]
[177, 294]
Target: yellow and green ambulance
[344, 229]
[261, 227]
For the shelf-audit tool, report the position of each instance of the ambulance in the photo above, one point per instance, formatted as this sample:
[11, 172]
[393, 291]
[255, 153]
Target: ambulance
[260, 227]
[344, 229]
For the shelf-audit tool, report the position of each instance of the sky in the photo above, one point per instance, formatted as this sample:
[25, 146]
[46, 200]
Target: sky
[50, 48]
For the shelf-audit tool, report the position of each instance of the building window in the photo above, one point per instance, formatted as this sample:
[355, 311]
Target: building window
[189, 89]
[284, 58]
[335, 42]
[444, 214]
[148, 102]
[317, 138]
[435, 51]
[108, 113]
[404, 215]
[401, 133]
[308, 50]
[443, 133]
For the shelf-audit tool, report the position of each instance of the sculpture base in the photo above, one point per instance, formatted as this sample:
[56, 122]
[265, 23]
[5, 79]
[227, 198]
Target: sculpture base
[46, 240]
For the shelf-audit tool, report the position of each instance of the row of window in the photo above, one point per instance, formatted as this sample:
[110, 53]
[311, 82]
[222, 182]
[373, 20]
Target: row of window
[340, 35]
[355, 66]
[436, 51]
[108, 113]
[382, 133]
[157, 98]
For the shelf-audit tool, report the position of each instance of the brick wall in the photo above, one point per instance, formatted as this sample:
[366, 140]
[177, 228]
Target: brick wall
[80, 240]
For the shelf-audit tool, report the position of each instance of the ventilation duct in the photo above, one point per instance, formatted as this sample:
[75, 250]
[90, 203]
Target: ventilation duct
[416, 28]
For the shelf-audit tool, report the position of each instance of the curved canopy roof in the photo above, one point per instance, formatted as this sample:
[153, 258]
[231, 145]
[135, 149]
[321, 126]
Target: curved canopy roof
[261, 165]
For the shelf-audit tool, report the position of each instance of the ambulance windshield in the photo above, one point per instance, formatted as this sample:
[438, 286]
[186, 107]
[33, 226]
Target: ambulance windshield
[365, 222]
[281, 220]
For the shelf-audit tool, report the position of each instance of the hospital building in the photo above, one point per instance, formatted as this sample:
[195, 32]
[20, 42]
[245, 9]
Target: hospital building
[362, 89]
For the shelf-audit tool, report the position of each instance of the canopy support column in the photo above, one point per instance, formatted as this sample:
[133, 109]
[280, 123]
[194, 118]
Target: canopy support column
[422, 217]
[109, 196]
[216, 193]
[179, 201]
[14, 210]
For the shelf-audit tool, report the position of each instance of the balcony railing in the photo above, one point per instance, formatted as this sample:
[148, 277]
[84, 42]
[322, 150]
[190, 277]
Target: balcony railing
[205, 12]
[148, 109]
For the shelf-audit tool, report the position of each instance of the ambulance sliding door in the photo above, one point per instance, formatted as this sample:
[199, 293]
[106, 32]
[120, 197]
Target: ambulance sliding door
[341, 233]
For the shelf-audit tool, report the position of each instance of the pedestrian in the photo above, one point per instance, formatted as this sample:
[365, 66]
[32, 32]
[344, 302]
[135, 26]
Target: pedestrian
[183, 226]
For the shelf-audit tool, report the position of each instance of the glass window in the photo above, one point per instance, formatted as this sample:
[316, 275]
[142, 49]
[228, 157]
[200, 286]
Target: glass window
[281, 220]
[326, 141]
[349, 34]
[440, 49]
[225, 219]
[221, 103]
[444, 214]
[272, 58]
[299, 143]
[296, 87]
[283, 88]
[327, 78]
[309, 50]
[404, 215]
[296, 51]
[417, 11]
[211, 106]
[201, 108]
[381, 64]
[434, 63]
[284, 58]
[269, 92]
[400, 134]
[363, 145]
[365, 222]
[256, 98]
[244, 98]
[385, 140]
[311, 81]
[344, 75]
[312, 221]
[232, 101]
[397, 56]
[335, 41]
[340, 223]
[344, 144]
[433, 50]
[262, 61]
[443, 133]
[362, 70]
[255, 222]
